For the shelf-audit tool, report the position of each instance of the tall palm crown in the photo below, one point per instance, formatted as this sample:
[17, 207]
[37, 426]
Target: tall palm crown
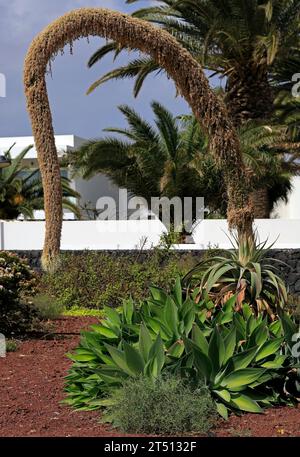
[154, 161]
[21, 190]
[254, 44]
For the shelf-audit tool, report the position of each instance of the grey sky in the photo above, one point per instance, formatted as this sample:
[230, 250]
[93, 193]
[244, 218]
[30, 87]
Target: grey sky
[73, 111]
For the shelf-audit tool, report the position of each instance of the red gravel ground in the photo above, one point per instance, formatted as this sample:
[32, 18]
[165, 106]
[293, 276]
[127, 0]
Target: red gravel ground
[31, 386]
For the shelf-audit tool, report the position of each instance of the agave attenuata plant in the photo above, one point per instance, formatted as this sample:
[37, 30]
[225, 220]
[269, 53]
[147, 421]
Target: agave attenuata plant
[247, 271]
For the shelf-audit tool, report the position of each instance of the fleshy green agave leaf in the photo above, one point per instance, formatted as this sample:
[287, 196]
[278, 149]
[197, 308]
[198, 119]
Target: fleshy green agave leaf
[276, 328]
[222, 410]
[171, 317]
[112, 316]
[119, 359]
[114, 379]
[199, 339]
[239, 379]
[268, 348]
[276, 363]
[240, 326]
[224, 317]
[88, 357]
[230, 303]
[243, 359]
[156, 357]
[128, 310]
[215, 275]
[105, 331]
[177, 292]
[158, 294]
[216, 350]
[259, 336]
[230, 344]
[289, 328]
[247, 312]
[223, 394]
[145, 342]
[176, 350]
[133, 359]
[159, 327]
[245, 403]
[201, 360]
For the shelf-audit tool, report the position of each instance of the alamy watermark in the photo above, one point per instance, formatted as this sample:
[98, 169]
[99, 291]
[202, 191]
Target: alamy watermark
[2, 345]
[175, 213]
[2, 85]
[296, 347]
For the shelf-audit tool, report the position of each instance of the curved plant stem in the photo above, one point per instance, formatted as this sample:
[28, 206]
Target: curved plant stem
[190, 82]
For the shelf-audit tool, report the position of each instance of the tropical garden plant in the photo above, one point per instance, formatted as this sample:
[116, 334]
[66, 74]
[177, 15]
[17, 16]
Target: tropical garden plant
[21, 190]
[244, 360]
[247, 272]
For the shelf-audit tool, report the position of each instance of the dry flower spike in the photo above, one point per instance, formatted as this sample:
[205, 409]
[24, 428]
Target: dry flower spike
[166, 51]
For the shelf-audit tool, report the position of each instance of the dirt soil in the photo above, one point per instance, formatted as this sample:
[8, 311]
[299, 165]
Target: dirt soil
[31, 388]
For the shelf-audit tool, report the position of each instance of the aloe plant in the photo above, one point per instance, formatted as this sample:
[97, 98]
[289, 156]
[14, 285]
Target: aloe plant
[247, 272]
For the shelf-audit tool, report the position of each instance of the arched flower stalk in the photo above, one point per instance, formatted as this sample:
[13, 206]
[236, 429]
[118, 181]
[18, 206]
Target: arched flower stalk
[190, 82]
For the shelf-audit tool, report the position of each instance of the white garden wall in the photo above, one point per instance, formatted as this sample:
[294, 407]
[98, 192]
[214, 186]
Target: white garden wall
[113, 235]
[78, 235]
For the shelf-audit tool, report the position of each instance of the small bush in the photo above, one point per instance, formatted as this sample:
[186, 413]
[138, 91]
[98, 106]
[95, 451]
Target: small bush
[17, 283]
[164, 406]
[11, 346]
[16, 278]
[47, 307]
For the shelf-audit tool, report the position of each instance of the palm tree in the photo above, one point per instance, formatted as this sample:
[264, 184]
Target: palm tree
[21, 190]
[154, 161]
[172, 159]
[254, 44]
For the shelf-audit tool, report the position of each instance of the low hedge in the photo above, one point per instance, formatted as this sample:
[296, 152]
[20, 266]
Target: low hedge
[95, 279]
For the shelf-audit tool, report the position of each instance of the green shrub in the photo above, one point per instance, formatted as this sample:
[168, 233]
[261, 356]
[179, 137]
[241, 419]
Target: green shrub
[11, 346]
[242, 359]
[47, 307]
[16, 278]
[17, 283]
[96, 279]
[167, 405]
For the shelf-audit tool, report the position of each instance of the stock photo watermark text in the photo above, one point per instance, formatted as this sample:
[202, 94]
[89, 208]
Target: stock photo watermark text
[2, 85]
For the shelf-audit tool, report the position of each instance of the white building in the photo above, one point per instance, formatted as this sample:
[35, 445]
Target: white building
[291, 209]
[90, 190]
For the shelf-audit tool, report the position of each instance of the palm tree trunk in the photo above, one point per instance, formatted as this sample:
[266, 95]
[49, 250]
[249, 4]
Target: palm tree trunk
[261, 203]
[248, 95]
